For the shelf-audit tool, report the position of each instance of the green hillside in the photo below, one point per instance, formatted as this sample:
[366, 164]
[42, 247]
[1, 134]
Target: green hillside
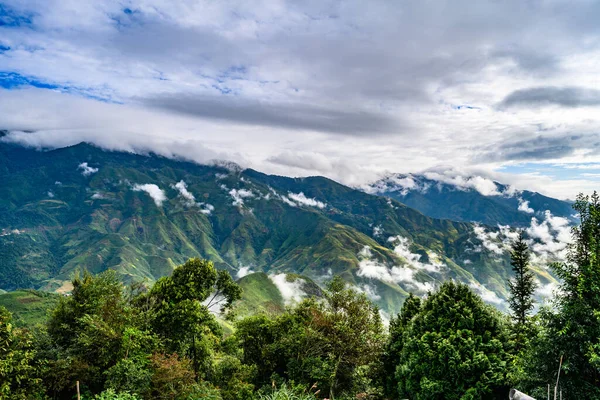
[259, 294]
[82, 207]
[29, 307]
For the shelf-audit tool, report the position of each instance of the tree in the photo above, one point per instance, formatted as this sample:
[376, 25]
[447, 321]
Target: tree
[454, 348]
[350, 329]
[521, 287]
[181, 309]
[332, 342]
[395, 343]
[572, 326]
[85, 332]
[19, 370]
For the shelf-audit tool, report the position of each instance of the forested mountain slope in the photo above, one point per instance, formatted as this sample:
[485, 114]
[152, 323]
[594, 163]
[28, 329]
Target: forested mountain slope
[82, 207]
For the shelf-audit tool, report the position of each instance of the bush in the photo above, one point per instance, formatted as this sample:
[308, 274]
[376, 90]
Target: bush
[110, 394]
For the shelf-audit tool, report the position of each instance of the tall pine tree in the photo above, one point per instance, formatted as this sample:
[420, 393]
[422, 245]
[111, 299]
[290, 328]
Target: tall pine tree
[522, 286]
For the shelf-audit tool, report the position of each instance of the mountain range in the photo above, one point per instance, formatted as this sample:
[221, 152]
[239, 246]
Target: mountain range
[82, 207]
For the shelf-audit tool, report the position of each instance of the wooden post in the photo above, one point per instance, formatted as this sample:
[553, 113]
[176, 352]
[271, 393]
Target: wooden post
[558, 377]
[78, 394]
[548, 391]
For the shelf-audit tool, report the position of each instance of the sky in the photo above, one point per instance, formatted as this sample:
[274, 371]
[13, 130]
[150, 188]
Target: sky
[351, 90]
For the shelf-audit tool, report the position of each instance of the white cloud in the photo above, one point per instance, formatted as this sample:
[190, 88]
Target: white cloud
[157, 194]
[300, 198]
[552, 236]
[524, 206]
[377, 231]
[290, 291]
[214, 303]
[485, 186]
[243, 271]
[488, 239]
[349, 108]
[206, 208]
[86, 170]
[370, 291]
[50, 194]
[402, 248]
[373, 269]
[188, 198]
[548, 241]
[546, 291]
[395, 183]
[238, 196]
[487, 295]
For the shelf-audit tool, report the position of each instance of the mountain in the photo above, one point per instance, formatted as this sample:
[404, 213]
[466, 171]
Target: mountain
[469, 199]
[82, 207]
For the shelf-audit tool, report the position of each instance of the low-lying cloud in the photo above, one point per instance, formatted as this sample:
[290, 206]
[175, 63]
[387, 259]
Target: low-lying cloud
[86, 170]
[291, 291]
[300, 198]
[157, 194]
[244, 271]
[402, 249]
[372, 269]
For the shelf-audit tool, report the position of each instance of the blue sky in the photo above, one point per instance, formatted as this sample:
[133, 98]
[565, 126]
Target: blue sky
[346, 89]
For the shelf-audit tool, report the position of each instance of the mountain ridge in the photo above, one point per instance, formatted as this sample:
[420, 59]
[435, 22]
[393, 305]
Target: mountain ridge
[470, 199]
[81, 206]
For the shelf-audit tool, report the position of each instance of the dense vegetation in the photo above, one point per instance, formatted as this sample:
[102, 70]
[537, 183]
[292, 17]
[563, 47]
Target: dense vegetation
[164, 342]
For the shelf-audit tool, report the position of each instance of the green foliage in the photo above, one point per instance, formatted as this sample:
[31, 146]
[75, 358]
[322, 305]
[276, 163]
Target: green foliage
[454, 348]
[110, 394]
[522, 288]
[125, 341]
[395, 343]
[233, 378]
[131, 375]
[326, 342]
[572, 326]
[287, 392]
[181, 309]
[173, 377]
[19, 370]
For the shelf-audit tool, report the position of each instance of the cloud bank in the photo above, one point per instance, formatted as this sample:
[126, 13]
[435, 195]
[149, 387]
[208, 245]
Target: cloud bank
[342, 89]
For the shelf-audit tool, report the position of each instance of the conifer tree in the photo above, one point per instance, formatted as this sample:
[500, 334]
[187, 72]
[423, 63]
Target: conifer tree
[522, 286]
